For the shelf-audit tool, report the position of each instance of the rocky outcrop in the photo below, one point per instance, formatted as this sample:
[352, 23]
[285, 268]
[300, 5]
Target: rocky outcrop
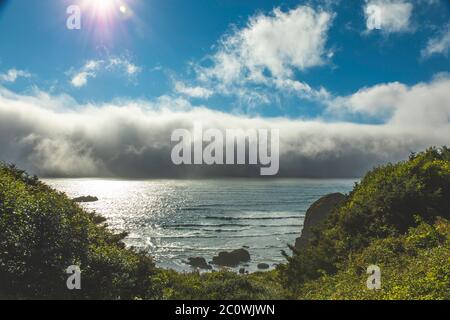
[316, 214]
[199, 262]
[263, 266]
[86, 199]
[231, 259]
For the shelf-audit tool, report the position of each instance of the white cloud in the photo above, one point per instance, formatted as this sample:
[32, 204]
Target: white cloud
[279, 43]
[420, 105]
[80, 79]
[132, 138]
[123, 65]
[132, 69]
[376, 101]
[389, 16]
[93, 67]
[302, 89]
[13, 74]
[194, 92]
[438, 45]
[269, 50]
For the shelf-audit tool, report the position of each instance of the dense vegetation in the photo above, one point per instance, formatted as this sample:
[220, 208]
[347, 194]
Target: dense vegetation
[42, 232]
[396, 218]
[378, 212]
[221, 285]
[413, 266]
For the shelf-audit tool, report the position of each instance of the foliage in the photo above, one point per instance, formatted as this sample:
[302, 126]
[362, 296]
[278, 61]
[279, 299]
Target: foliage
[390, 219]
[42, 233]
[221, 285]
[413, 266]
[384, 205]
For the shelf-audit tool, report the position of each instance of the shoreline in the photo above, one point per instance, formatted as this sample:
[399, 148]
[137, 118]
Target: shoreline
[210, 217]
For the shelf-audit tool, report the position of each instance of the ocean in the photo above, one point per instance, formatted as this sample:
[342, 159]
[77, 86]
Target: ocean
[178, 219]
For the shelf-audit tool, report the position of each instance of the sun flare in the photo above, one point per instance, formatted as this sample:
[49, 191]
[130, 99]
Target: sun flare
[107, 9]
[101, 8]
[102, 4]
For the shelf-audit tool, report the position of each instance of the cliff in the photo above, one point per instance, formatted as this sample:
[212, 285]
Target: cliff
[316, 214]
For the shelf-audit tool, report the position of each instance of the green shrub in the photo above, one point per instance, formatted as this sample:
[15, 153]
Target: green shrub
[413, 266]
[42, 232]
[221, 285]
[384, 204]
[390, 219]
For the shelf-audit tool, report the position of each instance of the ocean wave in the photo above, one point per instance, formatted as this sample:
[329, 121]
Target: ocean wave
[250, 218]
[220, 225]
[202, 236]
[181, 248]
[223, 230]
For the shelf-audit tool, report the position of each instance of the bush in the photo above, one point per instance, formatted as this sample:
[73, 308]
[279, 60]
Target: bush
[384, 204]
[42, 232]
[390, 219]
[222, 285]
[413, 266]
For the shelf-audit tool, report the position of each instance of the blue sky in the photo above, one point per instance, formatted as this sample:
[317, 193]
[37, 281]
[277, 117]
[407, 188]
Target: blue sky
[349, 84]
[164, 39]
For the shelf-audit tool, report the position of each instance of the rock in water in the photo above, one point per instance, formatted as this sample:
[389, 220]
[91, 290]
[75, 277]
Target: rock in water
[231, 259]
[263, 266]
[199, 262]
[86, 199]
[317, 213]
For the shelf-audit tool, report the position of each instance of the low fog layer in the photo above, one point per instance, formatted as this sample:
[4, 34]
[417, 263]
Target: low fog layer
[56, 137]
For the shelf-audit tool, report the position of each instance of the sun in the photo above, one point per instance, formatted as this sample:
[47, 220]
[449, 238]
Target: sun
[105, 18]
[101, 7]
[102, 4]
[107, 9]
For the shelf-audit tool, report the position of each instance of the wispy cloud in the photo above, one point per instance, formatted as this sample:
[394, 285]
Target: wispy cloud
[194, 92]
[302, 89]
[124, 65]
[13, 74]
[389, 16]
[439, 44]
[92, 68]
[80, 79]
